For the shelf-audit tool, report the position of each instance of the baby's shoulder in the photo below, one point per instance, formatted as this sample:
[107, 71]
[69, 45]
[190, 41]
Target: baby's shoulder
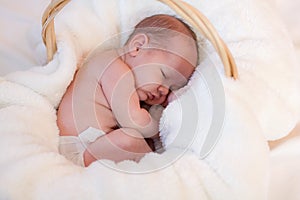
[99, 61]
[104, 64]
[103, 57]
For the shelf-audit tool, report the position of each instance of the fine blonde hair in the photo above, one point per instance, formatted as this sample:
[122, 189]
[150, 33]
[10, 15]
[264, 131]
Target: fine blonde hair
[160, 27]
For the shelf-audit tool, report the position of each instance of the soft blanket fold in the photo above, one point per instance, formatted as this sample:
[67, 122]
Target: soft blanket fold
[236, 168]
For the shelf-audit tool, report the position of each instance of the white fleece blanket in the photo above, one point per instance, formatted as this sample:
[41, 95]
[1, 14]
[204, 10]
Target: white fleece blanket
[285, 159]
[261, 105]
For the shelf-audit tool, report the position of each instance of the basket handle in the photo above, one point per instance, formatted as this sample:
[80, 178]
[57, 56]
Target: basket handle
[48, 32]
[185, 10]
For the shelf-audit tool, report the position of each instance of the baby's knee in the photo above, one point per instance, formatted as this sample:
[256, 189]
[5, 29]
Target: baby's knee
[131, 133]
[133, 141]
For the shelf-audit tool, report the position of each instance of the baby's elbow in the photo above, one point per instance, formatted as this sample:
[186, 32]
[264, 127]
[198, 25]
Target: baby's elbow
[145, 124]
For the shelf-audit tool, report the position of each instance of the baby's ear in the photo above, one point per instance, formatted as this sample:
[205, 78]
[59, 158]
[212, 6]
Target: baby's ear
[137, 42]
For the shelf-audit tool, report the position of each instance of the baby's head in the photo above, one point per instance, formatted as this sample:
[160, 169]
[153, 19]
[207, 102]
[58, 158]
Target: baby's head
[162, 52]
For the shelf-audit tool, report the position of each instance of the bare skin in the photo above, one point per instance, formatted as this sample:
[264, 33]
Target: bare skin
[106, 94]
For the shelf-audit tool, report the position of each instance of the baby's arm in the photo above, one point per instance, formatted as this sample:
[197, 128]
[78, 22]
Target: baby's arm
[121, 94]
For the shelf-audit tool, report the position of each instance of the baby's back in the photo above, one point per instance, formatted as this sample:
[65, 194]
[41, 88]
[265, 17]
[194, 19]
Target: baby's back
[84, 103]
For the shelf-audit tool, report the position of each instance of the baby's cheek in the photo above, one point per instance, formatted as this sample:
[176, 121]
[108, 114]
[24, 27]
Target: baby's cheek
[171, 97]
[142, 95]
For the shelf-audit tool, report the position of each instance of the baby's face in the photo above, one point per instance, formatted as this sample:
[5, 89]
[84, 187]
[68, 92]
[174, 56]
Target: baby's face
[159, 71]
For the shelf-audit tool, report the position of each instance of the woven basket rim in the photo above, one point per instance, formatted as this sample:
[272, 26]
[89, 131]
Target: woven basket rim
[193, 16]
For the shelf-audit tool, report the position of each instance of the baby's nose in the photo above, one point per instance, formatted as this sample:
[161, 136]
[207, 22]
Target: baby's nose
[163, 90]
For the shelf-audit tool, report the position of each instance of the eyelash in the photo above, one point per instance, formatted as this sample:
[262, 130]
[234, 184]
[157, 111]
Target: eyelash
[162, 72]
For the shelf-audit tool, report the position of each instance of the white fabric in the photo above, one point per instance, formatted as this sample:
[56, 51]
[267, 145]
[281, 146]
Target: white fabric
[20, 40]
[73, 147]
[285, 162]
[90, 135]
[262, 104]
[285, 159]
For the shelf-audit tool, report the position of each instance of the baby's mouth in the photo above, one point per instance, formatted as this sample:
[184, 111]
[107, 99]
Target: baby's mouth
[153, 96]
[150, 96]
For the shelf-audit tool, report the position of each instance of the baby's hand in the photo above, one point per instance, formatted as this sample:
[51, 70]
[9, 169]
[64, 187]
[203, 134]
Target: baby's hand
[156, 111]
[171, 97]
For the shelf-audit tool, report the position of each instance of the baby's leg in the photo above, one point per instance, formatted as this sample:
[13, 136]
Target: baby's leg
[118, 145]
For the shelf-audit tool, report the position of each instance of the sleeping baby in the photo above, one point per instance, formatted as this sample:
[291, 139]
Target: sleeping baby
[100, 115]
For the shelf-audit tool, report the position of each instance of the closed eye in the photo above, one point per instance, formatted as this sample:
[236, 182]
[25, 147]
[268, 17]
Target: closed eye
[163, 73]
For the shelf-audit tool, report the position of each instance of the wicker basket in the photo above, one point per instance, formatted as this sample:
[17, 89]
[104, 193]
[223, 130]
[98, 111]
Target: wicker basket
[186, 11]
